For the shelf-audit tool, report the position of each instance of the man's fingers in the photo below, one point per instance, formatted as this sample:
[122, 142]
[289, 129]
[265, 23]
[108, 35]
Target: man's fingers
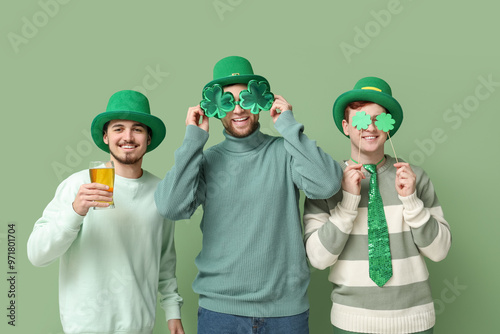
[193, 115]
[99, 197]
[97, 186]
[401, 164]
[95, 189]
[353, 167]
[355, 171]
[95, 192]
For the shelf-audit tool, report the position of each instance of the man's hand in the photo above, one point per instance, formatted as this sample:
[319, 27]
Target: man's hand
[351, 180]
[194, 115]
[405, 179]
[279, 105]
[89, 194]
[175, 326]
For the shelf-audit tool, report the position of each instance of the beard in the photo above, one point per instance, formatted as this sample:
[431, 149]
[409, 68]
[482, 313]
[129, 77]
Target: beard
[129, 159]
[231, 130]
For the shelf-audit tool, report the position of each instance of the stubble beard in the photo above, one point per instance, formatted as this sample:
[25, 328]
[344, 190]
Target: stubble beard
[129, 158]
[252, 129]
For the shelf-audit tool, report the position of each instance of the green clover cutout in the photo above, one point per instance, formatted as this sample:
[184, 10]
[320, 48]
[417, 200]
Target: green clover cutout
[361, 120]
[256, 97]
[216, 102]
[385, 122]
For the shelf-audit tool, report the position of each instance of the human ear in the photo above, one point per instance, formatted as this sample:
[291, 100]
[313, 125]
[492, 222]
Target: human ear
[346, 127]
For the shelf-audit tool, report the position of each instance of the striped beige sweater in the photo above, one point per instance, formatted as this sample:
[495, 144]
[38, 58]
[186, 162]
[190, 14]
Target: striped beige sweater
[336, 234]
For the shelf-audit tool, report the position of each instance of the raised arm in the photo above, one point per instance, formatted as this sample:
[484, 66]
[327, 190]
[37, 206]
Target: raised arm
[60, 223]
[183, 188]
[314, 171]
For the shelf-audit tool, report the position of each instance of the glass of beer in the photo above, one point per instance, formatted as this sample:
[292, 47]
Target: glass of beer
[103, 172]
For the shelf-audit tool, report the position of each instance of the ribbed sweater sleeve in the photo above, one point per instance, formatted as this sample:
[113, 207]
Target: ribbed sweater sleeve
[58, 227]
[423, 213]
[182, 190]
[313, 171]
[326, 234]
[170, 300]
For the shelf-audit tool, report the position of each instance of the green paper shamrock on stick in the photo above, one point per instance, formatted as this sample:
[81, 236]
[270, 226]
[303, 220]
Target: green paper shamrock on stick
[385, 122]
[257, 97]
[216, 102]
[361, 120]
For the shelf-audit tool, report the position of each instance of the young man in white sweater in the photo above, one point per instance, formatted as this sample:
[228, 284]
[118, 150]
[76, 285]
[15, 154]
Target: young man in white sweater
[115, 261]
[380, 285]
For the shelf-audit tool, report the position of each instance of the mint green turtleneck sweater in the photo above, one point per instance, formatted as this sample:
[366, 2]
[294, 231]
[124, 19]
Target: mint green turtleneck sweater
[253, 261]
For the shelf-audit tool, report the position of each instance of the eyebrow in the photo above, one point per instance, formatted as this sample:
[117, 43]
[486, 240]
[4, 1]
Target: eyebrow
[117, 125]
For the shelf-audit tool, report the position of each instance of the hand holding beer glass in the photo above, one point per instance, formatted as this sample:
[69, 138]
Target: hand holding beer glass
[103, 172]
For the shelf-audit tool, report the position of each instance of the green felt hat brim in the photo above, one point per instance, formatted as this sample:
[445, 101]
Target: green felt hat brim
[157, 126]
[237, 79]
[383, 99]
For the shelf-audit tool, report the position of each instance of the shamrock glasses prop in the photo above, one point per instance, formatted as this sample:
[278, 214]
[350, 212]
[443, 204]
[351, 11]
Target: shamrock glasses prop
[384, 123]
[217, 103]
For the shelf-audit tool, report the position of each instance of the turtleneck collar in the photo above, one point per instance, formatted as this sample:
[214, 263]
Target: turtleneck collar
[241, 145]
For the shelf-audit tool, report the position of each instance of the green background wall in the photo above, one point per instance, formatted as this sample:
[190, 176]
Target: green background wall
[61, 60]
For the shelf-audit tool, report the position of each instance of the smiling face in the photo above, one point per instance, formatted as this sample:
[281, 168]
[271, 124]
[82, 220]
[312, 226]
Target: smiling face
[372, 140]
[127, 141]
[239, 122]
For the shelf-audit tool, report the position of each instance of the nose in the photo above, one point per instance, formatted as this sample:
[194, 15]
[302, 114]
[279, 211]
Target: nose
[372, 127]
[128, 135]
[237, 109]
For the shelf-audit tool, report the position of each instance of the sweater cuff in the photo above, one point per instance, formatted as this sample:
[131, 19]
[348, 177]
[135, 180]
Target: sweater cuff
[70, 220]
[346, 212]
[349, 201]
[414, 212]
[172, 312]
[285, 120]
[195, 133]
[412, 202]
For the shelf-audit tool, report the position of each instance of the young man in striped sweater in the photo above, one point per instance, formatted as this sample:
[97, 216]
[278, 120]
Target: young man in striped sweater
[337, 230]
[253, 273]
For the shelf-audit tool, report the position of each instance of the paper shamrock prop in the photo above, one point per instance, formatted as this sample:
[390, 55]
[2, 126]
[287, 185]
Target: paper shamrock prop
[217, 103]
[361, 120]
[385, 123]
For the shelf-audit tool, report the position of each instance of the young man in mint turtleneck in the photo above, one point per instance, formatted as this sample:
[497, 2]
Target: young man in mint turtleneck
[252, 267]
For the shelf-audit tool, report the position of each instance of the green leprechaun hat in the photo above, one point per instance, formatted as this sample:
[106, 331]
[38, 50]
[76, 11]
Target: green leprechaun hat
[129, 105]
[234, 70]
[371, 89]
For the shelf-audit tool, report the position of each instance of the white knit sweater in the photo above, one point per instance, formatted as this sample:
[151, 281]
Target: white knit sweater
[113, 262]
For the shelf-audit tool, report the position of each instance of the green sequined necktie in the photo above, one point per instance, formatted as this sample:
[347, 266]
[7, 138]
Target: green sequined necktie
[379, 252]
